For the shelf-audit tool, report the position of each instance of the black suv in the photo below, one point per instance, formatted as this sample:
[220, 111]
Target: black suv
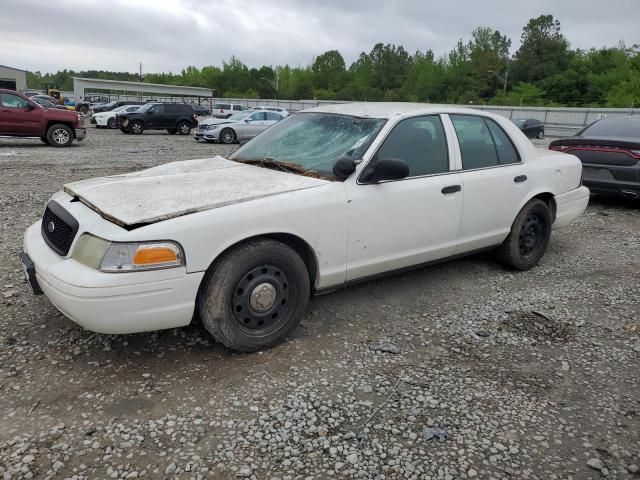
[173, 117]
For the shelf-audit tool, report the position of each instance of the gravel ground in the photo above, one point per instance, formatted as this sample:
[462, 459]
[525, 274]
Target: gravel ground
[460, 370]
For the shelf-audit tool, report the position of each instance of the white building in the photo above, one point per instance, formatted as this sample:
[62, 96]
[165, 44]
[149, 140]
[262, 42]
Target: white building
[13, 78]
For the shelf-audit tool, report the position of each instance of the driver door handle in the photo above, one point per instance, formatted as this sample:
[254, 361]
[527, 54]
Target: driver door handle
[451, 189]
[520, 179]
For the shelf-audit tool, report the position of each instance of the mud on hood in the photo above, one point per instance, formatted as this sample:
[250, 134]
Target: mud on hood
[180, 188]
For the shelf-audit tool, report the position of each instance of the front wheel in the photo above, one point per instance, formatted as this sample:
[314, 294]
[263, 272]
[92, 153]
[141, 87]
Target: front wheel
[60, 135]
[227, 136]
[111, 123]
[255, 295]
[529, 237]
[136, 127]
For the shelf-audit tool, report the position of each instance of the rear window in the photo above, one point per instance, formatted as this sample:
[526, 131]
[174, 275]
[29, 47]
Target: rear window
[613, 127]
[178, 108]
[222, 106]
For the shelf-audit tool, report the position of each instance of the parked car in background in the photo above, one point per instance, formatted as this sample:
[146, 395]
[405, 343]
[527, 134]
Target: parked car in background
[201, 110]
[237, 128]
[91, 101]
[531, 127]
[48, 98]
[108, 119]
[610, 153]
[282, 111]
[172, 117]
[115, 104]
[225, 110]
[43, 102]
[20, 116]
[323, 199]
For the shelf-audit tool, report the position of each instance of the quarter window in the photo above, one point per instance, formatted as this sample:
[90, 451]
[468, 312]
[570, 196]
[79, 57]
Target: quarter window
[421, 142]
[13, 101]
[482, 142]
[273, 116]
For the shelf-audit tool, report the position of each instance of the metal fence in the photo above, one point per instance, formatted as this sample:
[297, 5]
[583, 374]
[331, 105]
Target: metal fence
[559, 121]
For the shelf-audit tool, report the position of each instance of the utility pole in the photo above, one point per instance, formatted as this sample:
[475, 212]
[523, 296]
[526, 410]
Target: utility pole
[140, 71]
[274, 83]
[501, 78]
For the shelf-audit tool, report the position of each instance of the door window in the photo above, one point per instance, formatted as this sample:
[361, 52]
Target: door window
[156, 109]
[13, 101]
[483, 143]
[419, 141]
[257, 117]
[273, 116]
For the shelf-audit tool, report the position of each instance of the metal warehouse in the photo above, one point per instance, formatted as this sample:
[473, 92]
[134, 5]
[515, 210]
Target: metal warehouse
[12, 78]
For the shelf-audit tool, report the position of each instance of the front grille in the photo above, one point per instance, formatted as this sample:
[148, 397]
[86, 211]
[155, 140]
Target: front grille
[59, 228]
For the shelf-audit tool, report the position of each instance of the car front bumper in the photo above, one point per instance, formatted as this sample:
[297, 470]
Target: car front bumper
[112, 303]
[570, 205]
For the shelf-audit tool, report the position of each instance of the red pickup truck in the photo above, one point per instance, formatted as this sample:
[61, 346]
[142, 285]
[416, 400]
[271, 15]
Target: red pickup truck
[21, 117]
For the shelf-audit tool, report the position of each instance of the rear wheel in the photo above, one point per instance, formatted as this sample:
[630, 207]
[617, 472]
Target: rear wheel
[59, 135]
[540, 134]
[136, 127]
[227, 136]
[529, 237]
[184, 128]
[255, 295]
[111, 123]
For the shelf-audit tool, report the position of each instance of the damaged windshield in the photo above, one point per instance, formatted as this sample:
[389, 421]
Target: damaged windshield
[311, 142]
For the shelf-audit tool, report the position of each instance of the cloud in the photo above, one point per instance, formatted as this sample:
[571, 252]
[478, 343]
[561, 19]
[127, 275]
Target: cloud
[168, 35]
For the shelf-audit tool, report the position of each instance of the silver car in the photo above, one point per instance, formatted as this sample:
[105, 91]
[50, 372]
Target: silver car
[237, 128]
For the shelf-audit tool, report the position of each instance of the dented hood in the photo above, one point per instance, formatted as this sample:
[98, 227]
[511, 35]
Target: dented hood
[181, 188]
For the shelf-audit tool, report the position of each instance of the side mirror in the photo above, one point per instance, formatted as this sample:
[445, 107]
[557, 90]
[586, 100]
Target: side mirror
[386, 169]
[344, 167]
[246, 120]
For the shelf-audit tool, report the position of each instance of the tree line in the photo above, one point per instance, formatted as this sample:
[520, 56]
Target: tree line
[544, 71]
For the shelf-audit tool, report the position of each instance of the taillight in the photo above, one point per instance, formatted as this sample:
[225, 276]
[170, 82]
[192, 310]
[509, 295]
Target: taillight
[635, 153]
[559, 148]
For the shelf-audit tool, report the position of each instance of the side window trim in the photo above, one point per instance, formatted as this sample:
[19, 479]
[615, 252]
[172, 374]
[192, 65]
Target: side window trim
[374, 156]
[461, 168]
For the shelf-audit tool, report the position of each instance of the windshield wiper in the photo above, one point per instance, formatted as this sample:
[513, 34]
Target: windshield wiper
[269, 162]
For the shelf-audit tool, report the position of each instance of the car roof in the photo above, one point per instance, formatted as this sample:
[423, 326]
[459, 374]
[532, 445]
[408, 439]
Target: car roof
[390, 109]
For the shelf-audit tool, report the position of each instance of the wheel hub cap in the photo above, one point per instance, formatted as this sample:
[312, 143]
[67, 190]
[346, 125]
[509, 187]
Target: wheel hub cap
[263, 297]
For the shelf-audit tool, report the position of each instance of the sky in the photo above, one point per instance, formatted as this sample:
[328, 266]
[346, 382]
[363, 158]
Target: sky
[169, 35]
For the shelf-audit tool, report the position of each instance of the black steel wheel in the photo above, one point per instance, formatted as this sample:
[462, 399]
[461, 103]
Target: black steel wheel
[529, 237]
[254, 295]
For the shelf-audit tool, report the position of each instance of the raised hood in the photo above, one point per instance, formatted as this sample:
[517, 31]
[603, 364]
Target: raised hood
[181, 188]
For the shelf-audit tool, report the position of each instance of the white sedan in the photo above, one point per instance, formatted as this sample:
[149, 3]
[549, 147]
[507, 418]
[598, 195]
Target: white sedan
[108, 119]
[324, 198]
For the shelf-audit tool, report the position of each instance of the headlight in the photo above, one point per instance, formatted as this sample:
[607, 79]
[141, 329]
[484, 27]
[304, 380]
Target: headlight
[212, 127]
[108, 256]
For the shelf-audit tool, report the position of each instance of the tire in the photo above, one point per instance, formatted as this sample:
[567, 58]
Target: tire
[136, 127]
[59, 135]
[540, 134]
[230, 311]
[44, 140]
[184, 128]
[529, 237]
[111, 123]
[227, 136]
[172, 131]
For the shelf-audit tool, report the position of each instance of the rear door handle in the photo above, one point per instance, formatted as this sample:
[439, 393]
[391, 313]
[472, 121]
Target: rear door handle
[520, 179]
[451, 189]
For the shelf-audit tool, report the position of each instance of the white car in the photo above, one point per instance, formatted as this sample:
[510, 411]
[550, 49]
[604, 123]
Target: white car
[237, 128]
[282, 111]
[327, 197]
[108, 119]
[225, 110]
